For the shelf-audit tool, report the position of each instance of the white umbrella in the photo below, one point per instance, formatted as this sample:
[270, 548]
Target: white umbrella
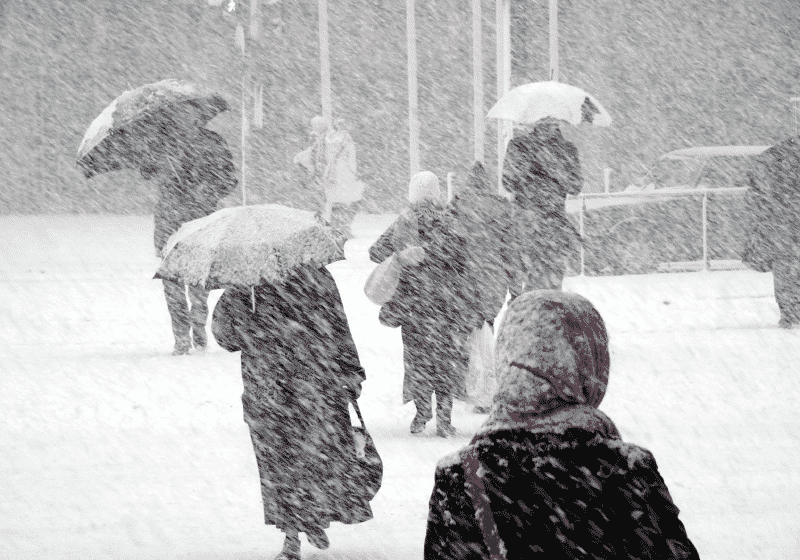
[529, 103]
[247, 245]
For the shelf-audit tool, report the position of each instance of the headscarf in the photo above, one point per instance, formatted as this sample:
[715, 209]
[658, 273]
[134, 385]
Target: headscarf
[424, 186]
[552, 359]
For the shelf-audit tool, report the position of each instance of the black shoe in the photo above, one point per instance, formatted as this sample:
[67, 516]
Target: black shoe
[417, 425]
[181, 349]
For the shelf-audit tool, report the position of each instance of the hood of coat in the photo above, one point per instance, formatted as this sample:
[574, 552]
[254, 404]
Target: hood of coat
[424, 186]
[552, 352]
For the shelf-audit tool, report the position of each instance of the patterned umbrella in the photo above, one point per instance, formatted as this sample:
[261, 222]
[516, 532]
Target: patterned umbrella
[529, 103]
[117, 138]
[247, 245]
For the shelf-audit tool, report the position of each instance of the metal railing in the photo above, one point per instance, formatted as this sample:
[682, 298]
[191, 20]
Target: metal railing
[676, 193]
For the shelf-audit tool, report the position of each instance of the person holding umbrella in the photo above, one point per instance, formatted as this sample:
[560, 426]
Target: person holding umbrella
[194, 170]
[300, 367]
[157, 129]
[541, 168]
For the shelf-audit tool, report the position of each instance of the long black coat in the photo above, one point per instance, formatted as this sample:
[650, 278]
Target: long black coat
[541, 171]
[488, 225]
[298, 363]
[200, 175]
[437, 306]
[553, 496]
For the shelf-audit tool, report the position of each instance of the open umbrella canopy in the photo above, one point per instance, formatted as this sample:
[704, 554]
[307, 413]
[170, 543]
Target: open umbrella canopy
[117, 138]
[247, 245]
[530, 103]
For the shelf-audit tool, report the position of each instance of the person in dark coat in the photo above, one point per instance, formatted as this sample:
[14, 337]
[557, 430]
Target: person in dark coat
[410, 228]
[540, 169]
[774, 228]
[485, 221]
[300, 368]
[435, 305]
[547, 475]
[195, 170]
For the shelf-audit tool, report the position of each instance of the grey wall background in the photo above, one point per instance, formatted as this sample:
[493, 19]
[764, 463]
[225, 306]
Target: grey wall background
[672, 75]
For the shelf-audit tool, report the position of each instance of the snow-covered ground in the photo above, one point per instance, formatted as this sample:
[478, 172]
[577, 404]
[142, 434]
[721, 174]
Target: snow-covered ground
[112, 448]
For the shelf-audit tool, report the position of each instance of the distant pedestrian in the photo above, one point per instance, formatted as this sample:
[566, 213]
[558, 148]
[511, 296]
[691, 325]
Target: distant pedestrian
[486, 221]
[300, 368]
[547, 475]
[414, 225]
[774, 228]
[436, 308]
[333, 164]
[195, 170]
[540, 169]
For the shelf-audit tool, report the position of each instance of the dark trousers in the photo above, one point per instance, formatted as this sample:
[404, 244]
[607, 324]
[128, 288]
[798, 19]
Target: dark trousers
[444, 408]
[188, 322]
[786, 280]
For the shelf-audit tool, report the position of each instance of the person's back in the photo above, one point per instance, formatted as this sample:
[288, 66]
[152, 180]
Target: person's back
[547, 475]
[541, 168]
[196, 175]
[571, 495]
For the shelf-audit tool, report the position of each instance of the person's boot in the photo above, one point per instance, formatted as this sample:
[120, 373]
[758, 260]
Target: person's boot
[444, 411]
[291, 547]
[200, 338]
[423, 415]
[418, 424]
[182, 346]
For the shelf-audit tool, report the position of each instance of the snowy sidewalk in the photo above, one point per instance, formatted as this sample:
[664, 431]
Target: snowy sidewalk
[112, 448]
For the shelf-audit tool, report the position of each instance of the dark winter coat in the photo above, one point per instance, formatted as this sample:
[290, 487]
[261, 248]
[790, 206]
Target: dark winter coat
[541, 171]
[487, 224]
[773, 231]
[299, 362]
[547, 475]
[415, 227]
[576, 494]
[198, 174]
[773, 228]
[437, 307]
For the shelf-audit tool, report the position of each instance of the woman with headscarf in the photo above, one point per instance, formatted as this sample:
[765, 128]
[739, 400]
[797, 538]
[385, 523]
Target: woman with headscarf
[417, 223]
[434, 305]
[300, 368]
[547, 475]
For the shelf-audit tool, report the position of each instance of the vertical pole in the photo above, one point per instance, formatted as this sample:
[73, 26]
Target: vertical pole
[413, 109]
[479, 127]
[705, 230]
[503, 24]
[244, 139]
[554, 40]
[325, 62]
[582, 231]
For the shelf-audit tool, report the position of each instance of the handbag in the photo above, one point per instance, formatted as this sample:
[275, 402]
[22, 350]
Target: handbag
[383, 280]
[368, 466]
